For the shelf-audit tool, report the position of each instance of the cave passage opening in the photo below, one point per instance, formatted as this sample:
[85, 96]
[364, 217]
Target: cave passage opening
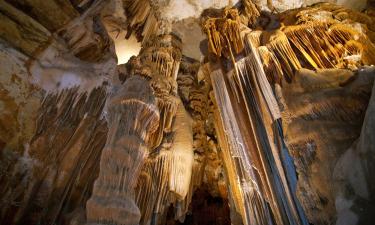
[125, 48]
[204, 209]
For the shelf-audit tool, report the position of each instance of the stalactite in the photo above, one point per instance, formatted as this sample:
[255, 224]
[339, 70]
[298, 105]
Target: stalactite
[255, 66]
[143, 18]
[161, 165]
[254, 102]
[152, 203]
[253, 36]
[271, 65]
[138, 11]
[163, 54]
[182, 206]
[224, 33]
[250, 12]
[354, 48]
[167, 174]
[182, 154]
[321, 44]
[167, 105]
[150, 27]
[284, 55]
[146, 193]
[305, 42]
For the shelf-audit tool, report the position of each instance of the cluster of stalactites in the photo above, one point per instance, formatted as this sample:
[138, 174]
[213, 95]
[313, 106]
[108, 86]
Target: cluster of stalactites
[254, 162]
[278, 58]
[326, 46]
[315, 44]
[322, 36]
[315, 40]
[161, 56]
[249, 13]
[159, 61]
[144, 19]
[223, 33]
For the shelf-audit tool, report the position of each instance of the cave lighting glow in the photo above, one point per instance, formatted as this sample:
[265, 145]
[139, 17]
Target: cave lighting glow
[126, 48]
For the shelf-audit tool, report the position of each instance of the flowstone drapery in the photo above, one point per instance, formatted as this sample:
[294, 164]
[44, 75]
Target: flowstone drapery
[248, 120]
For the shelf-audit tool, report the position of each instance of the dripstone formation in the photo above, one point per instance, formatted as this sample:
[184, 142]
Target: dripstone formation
[232, 112]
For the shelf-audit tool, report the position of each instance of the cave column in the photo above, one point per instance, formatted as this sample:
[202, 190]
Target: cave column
[140, 114]
[160, 58]
[133, 116]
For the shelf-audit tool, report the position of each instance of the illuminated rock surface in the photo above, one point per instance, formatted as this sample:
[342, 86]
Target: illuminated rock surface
[156, 112]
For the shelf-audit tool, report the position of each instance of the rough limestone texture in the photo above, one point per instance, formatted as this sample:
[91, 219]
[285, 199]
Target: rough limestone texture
[322, 117]
[353, 172]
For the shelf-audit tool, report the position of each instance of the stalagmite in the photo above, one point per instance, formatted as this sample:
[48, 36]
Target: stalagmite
[133, 116]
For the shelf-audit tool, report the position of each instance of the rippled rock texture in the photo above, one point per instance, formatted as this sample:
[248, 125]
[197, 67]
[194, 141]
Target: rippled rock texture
[233, 112]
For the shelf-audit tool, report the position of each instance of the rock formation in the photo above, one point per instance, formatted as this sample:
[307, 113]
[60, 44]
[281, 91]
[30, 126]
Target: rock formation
[233, 112]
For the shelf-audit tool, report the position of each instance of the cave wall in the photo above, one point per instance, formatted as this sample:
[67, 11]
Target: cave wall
[330, 125]
[59, 72]
[55, 62]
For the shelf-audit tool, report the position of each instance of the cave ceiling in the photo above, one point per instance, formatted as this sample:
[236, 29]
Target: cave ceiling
[185, 16]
